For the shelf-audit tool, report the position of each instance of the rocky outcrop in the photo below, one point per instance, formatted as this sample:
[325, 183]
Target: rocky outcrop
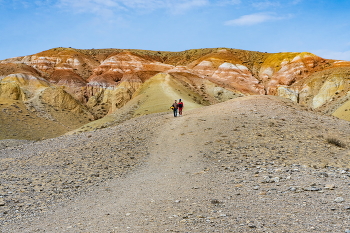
[60, 99]
[284, 69]
[112, 70]
[10, 90]
[234, 76]
[330, 88]
[325, 90]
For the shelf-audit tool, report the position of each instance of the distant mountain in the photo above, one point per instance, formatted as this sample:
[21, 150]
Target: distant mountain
[63, 89]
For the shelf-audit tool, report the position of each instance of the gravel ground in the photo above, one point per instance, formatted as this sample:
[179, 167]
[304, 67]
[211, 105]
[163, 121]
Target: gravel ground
[253, 164]
[13, 142]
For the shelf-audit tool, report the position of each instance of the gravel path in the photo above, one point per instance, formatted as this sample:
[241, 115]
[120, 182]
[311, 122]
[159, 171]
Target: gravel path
[255, 164]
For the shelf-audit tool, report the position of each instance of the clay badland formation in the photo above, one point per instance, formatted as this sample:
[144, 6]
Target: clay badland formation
[262, 146]
[62, 89]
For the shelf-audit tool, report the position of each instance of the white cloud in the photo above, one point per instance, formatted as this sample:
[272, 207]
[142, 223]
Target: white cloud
[248, 20]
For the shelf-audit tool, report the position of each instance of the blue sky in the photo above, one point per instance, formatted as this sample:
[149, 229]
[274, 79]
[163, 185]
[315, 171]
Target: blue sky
[321, 27]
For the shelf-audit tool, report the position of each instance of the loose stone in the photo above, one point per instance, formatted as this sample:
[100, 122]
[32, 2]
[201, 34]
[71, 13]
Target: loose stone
[329, 186]
[339, 200]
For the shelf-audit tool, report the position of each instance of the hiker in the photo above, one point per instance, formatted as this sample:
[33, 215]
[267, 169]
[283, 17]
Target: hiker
[174, 107]
[180, 105]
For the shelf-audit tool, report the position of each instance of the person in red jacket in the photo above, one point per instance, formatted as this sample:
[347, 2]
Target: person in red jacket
[180, 106]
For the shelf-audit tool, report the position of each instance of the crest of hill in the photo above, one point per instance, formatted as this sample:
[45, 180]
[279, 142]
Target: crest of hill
[126, 83]
[173, 58]
[253, 60]
[13, 68]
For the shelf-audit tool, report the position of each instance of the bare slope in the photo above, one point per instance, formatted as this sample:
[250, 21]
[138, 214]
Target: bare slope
[246, 165]
[100, 82]
[17, 122]
[343, 112]
[154, 96]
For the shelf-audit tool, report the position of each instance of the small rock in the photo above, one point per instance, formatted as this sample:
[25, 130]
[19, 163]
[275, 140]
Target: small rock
[2, 202]
[339, 200]
[312, 189]
[215, 201]
[323, 174]
[276, 179]
[251, 226]
[329, 186]
[266, 179]
[347, 231]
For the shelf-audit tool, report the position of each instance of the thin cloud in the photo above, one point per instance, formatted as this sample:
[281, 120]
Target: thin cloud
[258, 18]
[117, 7]
[226, 2]
[184, 6]
[266, 4]
[295, 2]
[100, 7]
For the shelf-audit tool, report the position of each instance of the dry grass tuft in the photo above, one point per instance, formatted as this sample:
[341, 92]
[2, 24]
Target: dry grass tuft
[336, 142]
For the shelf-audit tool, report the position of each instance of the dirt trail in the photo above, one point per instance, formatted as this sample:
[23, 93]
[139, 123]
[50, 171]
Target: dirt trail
[240, 166]
[142, 201]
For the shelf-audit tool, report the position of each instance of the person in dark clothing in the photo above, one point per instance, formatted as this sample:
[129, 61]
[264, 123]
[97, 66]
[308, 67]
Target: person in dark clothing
[180, 106]
[174, 107]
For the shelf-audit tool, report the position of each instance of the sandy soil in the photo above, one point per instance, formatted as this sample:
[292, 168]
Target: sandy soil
[253, 164]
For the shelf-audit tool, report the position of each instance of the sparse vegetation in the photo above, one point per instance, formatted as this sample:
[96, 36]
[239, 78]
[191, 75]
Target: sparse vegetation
[336, 142]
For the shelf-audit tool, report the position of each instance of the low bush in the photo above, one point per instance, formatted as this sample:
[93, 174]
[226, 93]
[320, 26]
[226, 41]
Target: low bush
[336, 142]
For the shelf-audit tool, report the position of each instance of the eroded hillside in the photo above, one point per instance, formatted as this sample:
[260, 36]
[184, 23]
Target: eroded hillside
[72, 87]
